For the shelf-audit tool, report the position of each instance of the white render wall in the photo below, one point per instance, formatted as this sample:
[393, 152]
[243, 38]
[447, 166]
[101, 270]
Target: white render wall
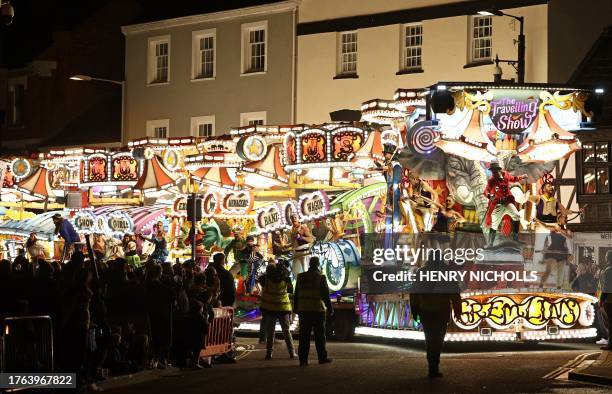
[445, 52]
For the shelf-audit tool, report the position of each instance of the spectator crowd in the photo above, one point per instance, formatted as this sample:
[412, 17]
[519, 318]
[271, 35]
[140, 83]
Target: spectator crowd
[115, 318]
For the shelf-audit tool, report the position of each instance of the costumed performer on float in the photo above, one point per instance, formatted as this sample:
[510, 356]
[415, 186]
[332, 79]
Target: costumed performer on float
[64, 229]
[424, 200]
[551, 215]
[392, 170]
[408, 215]
[253, 258]
[200, 251]
[301, 240]
[551, 231]
[235, 247]
[158, 238]
[448, 217]
[35, 248]
[501, 201]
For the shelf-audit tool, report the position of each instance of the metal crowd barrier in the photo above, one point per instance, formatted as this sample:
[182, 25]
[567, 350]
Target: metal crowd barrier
[27, 344]
[219, 338]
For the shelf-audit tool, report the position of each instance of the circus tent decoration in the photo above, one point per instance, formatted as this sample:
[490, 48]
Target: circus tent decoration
[267, 172]
[547, 141]
[37, 185]
[155, 176]
[472, 143]
[214, 176]
[370, 151]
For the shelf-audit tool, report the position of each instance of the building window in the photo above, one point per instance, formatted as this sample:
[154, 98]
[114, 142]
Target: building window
[596, 168]
[16, 105]
[347, 53]
[254, 47]
[203, 126]
[158, 128]
[480, 38]
[413, 43]
[203, 54]
[253, 118]
[160, 132]
[159, 60]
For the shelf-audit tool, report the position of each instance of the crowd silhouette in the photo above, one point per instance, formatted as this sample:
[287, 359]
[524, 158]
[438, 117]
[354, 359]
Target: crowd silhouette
[112, 318]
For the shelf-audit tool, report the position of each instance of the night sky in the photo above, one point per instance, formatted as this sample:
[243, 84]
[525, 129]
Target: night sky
[36, 20]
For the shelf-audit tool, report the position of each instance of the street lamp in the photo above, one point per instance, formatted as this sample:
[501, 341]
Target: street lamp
[520, 63]
[88, 78]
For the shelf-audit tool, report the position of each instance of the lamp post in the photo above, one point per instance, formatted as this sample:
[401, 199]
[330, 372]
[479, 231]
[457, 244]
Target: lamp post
[520, 63]
[87, 78]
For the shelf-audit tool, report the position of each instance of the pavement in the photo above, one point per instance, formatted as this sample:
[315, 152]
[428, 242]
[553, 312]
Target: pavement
[598, 370]
[381, 366]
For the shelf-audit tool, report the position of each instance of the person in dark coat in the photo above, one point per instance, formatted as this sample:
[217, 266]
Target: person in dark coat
[159, 300]
[586, 282]
[311, 301]
[226, 281]
[431, 303]
[227, 296]
[605, 288]
[7, 304]
[197, 330]
[76, 321]
[22, 275]
[44, 295]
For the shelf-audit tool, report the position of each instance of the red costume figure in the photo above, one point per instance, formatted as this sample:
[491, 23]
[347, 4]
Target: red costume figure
[501, 200]
[199, 241]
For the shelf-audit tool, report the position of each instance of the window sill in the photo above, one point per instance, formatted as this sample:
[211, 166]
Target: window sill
[478, 64]
[158, 83]
[247, 74]
[410, 71]
[203, 79]
[346, 76]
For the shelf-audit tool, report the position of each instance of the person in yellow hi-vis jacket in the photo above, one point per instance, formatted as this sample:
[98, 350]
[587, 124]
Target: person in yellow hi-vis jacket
[275, 305]
[310, 301]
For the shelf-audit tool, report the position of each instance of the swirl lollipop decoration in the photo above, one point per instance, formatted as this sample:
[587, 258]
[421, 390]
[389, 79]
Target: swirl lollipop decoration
[422, 140]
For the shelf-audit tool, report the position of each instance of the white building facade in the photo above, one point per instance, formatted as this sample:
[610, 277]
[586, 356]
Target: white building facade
[201, 75]
[350, 51]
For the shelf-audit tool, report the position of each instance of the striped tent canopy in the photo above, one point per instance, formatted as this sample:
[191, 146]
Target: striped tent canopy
[371, 150]
[155, 176]
[214, 176]
[41, 224]
[547, 141]
[143, 217]
[37, 185]
[473, 142]
[267, 172]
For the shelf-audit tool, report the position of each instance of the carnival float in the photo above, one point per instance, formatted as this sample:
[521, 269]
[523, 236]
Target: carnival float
[477, 162]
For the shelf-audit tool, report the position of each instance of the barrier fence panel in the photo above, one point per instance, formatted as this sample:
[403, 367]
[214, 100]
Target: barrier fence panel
[219, 338]
[27, 344]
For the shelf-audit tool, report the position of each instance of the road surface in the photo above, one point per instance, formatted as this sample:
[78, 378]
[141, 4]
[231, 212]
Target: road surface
[382, 367]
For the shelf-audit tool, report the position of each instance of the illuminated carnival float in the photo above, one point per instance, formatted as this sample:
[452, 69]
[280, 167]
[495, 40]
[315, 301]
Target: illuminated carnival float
[519, 286]
[415, 165]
